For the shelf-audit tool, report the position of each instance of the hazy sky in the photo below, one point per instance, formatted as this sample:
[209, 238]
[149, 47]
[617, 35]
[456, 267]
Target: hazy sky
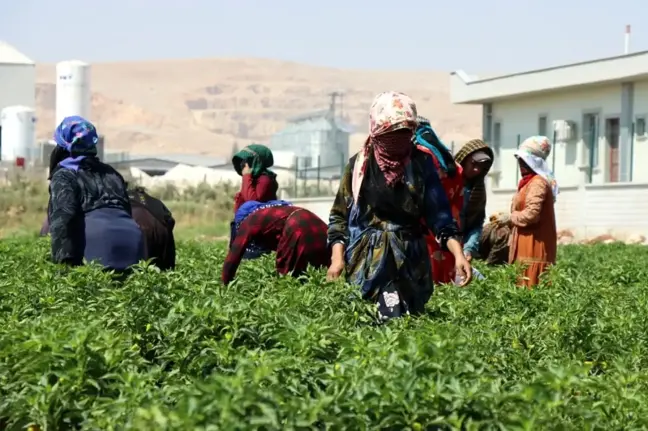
[490, 36]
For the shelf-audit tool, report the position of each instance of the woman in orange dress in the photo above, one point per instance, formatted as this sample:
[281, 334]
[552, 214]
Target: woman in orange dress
[534, 238]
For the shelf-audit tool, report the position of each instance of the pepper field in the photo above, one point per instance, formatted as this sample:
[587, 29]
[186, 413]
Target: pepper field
[178, 351]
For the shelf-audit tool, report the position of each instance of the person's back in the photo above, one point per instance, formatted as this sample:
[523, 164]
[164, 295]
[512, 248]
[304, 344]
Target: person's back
[157, 223]
[89, 211]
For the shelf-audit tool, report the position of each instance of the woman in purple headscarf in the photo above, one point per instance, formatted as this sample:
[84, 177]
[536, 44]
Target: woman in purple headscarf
[89, 211]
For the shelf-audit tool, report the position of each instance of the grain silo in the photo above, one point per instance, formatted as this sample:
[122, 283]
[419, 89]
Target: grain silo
[18, 134]
[73, 96]
[319, 142]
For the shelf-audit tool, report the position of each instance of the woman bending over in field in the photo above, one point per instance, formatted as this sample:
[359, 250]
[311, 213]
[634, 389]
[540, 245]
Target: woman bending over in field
[258, 184]
[156, 223]
[375, 227]
[89, 212]
[494, 242]
[298, 236]
[451, 176]
[533, 238]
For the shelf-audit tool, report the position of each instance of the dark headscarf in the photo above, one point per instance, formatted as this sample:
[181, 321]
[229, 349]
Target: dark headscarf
[475, 211]
[258, 157]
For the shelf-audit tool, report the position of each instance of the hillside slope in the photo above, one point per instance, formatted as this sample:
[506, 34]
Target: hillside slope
[204, 106]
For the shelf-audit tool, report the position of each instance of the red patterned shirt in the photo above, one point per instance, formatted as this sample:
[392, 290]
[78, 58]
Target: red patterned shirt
[298, 236]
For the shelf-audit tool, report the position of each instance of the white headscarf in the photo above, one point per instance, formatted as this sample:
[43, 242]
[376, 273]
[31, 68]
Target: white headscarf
[534, 151]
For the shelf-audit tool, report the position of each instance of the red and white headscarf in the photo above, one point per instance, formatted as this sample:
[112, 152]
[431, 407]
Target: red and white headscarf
[391, 111]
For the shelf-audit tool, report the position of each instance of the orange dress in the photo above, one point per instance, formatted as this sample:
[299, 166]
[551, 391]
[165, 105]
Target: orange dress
[443, 264]
[533, 239]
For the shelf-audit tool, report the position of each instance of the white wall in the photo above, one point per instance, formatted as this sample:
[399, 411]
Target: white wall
[640, 146]
[591, 210]
[520, 116]
[586, 210]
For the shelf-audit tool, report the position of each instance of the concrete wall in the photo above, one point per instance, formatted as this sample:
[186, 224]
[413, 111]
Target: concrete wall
[587, 210]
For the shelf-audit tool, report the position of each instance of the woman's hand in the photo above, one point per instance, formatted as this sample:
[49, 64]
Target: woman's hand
[503, 220]
[337, 262]
[462, 266]
[246, 169]
[335, 270]
[464, 271]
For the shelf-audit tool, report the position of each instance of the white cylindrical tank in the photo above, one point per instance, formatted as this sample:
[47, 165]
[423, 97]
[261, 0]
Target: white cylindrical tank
[73, 96]
[18, 134]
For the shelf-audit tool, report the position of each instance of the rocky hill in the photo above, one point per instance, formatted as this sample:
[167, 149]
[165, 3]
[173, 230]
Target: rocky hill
[205, 106]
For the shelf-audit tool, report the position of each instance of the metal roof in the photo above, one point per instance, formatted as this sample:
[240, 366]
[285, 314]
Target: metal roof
[465, 89]
[181, 159]
[10, 55]
[309, 116]
[314, 124]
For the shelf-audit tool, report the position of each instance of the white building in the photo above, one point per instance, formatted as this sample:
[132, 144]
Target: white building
[596, 114]
[18, 93]
[17, 78]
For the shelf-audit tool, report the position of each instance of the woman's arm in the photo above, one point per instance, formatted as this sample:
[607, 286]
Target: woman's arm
[249, 229]
[338, 226]
[438, 215]
[64, 207]
[536, 194]
[471, 238]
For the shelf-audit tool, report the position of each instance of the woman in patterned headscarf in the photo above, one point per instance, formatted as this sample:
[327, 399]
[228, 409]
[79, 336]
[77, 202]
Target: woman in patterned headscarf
[89, 211]
[476, 159]
[376, 231]
[534, 238]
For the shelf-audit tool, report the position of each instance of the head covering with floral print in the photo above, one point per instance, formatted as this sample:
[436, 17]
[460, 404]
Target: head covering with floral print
[392, 122]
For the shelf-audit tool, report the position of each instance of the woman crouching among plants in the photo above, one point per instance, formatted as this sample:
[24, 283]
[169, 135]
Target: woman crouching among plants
[296, 234]
[376, 231]
[89, 211]
[156, 223]
[253, 250]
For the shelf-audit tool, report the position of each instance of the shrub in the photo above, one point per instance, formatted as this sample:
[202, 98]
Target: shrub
[177, 350]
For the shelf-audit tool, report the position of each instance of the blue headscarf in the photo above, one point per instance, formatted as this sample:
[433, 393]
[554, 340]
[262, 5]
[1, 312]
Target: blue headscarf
[79, 137]
[252, 206]
[437, 147]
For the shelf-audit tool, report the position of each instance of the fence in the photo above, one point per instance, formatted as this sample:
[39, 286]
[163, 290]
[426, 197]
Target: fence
[313, 180]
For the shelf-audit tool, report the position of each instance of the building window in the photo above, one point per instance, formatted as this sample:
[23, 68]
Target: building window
[542, 126]
[640, 126]
[497, 144]
[488, 122]
[591, 138]
[497, 138]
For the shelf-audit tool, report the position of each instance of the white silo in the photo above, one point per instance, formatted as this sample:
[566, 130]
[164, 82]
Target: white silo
[73, 96]
[18, 133]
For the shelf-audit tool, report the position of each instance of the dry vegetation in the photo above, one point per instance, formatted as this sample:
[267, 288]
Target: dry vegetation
[202, 211]
[204, 106]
